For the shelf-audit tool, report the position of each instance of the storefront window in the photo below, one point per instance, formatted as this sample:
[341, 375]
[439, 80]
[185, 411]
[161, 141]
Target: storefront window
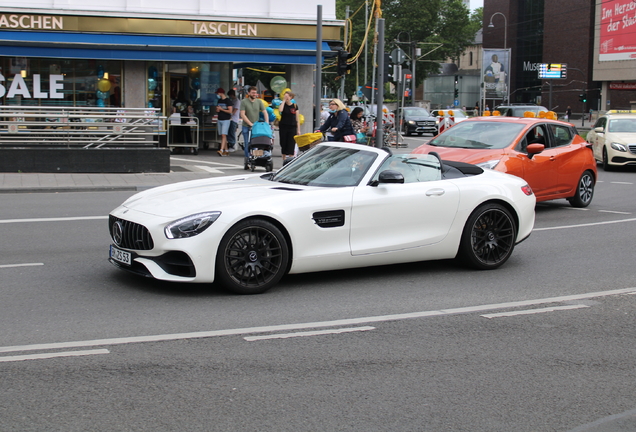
[56, 82]
[154, 89]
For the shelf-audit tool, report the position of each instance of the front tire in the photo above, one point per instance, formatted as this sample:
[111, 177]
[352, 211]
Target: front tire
[606, 164]
[584, 191]
[252, 257]
[488, 238]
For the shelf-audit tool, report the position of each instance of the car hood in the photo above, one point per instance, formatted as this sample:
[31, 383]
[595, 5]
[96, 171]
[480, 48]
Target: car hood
[627, 138]
[472, 156]
[177, 200]
[419, 118]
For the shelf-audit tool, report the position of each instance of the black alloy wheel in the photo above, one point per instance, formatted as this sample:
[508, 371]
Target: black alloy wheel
[584, 191]
[252, 257]
[488, 238]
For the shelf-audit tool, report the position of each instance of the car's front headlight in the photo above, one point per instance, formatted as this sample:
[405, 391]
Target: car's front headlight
[619, 147]
[411, 122]
[190, 226]
[491, 164]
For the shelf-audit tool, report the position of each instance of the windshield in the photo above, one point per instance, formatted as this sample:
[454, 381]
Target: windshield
[327, 166]
[416, 112]
[622, 126]
[479, 135]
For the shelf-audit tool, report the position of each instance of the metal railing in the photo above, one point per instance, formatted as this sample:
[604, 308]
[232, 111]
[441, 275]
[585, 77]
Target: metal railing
[80, 127]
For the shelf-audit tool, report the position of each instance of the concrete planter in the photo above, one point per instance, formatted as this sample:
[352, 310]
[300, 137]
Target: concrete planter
[65, 160]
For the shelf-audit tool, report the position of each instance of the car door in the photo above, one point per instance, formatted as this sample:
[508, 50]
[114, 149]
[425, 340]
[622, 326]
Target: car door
[597, 139]
[396, 216]
[568, 160]
[540, 170]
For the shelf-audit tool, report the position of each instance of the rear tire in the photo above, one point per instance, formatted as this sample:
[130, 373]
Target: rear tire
[488, 238]
[253, 256]
[584, 191]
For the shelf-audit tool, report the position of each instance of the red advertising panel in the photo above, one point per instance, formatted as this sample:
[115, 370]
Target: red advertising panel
[618, 26]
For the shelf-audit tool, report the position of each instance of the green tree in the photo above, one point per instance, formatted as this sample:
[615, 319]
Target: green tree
[444, 27]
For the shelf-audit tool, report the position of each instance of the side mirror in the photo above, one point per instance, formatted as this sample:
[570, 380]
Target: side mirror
[599, 129]
[534, 149]
[391, 176]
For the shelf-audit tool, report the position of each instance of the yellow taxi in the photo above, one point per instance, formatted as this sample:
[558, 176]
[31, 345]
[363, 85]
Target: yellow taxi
[613, 139]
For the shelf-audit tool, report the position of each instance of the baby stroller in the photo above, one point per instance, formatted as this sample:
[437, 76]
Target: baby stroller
[260, 149]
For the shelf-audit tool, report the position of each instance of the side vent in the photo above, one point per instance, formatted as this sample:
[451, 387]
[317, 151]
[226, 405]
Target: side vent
[329, 219]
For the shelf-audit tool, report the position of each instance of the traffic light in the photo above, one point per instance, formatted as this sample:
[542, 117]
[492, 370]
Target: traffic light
[343, 67]
[388, 68]
[456, 93]
[583, 97]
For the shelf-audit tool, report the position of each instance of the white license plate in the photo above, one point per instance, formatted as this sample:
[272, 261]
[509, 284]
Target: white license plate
[120, 255]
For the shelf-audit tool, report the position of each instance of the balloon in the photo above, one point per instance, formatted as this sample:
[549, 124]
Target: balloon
[152, 84]
[100, 103]
[193, 94]
[276, 102]
[102, 95]
[196, 83]
[278, 83]
[103, 85]
[152, 72]
[100, 72]
[285, 91]
[150, 104]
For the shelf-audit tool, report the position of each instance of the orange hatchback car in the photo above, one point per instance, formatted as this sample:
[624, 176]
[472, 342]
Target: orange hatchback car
[548, 154]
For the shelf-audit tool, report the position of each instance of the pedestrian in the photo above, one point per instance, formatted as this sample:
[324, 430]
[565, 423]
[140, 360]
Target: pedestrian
[338, 123]
[236, 113]
[476, 112]
[251, 108]
[288, 125]
[224, 113]
[568, 113]
[360, 127]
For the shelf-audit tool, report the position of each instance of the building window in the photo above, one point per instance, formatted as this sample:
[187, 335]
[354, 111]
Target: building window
[470, 58]
[58, 82]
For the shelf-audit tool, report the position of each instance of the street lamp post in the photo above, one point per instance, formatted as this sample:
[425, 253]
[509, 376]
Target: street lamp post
[491, 25]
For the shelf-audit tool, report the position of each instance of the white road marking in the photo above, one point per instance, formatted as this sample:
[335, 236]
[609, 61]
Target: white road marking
[319, 324]
[533, 311]
[206, 162]
[21, 265]
[208, 169]
[309, 333]
[614, 212]
[53, 355]
[584, 225]
[624, 183]
[59, 219]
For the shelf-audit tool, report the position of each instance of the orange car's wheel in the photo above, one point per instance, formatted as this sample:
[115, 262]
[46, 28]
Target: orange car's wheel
[584, 191]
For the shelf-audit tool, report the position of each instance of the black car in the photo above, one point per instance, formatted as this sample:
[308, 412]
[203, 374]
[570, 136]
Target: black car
[416, 120]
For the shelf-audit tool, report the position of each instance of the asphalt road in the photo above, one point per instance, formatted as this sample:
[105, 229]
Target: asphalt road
[406, 347]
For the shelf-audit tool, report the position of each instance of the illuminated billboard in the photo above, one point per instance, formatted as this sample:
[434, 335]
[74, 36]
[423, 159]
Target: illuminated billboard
[553, 70]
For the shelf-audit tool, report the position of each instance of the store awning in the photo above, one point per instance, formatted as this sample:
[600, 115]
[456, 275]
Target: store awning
[158, 48]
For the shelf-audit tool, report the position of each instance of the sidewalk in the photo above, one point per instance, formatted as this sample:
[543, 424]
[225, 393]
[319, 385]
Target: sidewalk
[183, 167]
